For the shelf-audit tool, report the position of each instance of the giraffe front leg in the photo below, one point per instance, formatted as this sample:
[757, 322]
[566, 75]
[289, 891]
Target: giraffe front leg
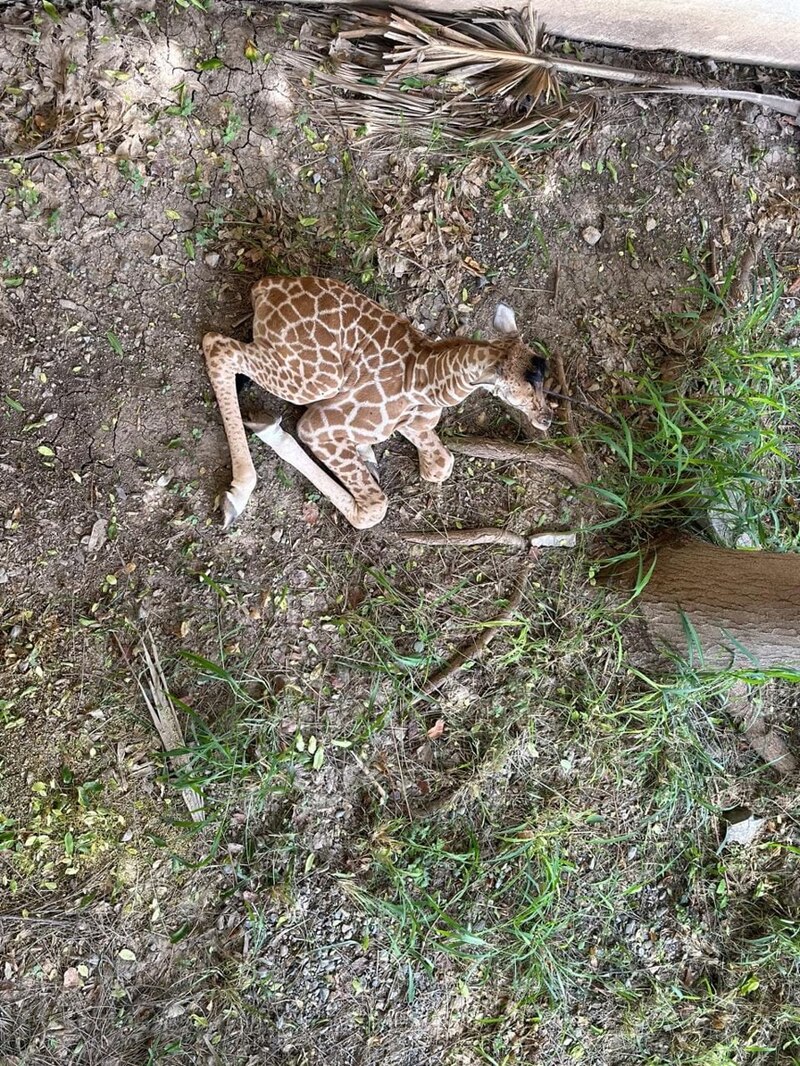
[222, 361]
[435, 461]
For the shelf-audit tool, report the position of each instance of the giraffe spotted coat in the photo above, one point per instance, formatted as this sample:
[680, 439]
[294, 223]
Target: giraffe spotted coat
[364, 373]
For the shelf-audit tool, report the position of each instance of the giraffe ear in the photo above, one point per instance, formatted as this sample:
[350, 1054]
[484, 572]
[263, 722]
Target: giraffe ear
[504, 321]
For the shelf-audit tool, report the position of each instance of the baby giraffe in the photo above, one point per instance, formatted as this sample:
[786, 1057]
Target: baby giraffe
[364, 373]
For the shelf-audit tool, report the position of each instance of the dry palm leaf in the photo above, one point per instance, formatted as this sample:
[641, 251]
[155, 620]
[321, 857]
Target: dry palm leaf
[453, 119]
[452, 80]
[443, 72]
[502, 56]
[155, 693]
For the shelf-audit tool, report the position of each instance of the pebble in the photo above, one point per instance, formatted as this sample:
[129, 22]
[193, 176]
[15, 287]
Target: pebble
[591, 235]
[650, 225]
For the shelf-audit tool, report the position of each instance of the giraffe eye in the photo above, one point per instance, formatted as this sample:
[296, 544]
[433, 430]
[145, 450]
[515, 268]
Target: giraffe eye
[535, 373]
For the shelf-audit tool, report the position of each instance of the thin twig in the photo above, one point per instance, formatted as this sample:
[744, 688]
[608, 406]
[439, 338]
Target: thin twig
[609, 417]
[478, 646]
[384, 795]
[566, 405]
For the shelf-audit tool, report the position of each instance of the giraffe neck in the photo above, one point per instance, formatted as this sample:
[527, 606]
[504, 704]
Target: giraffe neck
[446, 372]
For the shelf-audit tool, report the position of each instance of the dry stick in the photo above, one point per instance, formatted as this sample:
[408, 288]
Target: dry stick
[740, 289]
[467, 538]
[480, 644]
[470, 538]
[567, 408]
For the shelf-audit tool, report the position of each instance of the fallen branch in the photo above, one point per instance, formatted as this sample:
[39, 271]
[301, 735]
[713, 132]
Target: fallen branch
[470, 538]
[552, 459]
[478, 646]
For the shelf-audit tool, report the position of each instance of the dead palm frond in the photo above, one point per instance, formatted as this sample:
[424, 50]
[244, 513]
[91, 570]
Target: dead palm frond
[494, 55]
[472, 77]
[152, 685]
[452, 120]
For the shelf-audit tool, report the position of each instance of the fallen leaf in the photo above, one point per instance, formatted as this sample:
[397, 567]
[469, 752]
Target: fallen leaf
[310, 513]
[98, 536]
[474, 267]
[127, 955]
[436, 729]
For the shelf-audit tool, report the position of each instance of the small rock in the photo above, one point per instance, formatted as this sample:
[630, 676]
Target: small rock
[72, 979]
[650, 225]
[212, 259]
[744, 831]
[591, 235]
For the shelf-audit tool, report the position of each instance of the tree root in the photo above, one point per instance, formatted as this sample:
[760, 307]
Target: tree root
[553, 459]
[468, 538]
[477, 647]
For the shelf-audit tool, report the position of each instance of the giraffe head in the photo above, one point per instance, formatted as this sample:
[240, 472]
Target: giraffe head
[520, 373]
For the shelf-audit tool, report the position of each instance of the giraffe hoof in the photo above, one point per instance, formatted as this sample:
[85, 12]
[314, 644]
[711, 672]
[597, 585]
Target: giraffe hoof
[230, 511]
[267, 431]
[367, 455]
[369, 516]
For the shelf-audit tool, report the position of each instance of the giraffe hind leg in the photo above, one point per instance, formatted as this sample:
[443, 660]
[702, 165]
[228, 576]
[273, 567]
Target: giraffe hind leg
[341, 456]
[286, 447]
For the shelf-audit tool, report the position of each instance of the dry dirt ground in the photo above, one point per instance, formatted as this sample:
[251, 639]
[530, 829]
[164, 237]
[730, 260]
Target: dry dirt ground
[541, 882]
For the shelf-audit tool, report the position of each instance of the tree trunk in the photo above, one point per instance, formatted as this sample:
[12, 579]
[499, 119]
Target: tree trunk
[742, 608]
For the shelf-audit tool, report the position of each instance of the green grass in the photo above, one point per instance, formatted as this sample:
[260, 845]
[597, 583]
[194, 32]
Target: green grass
[579, 792]
[724, 438]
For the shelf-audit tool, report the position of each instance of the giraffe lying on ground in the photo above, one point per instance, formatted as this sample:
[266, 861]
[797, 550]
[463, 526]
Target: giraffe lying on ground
[364, 373]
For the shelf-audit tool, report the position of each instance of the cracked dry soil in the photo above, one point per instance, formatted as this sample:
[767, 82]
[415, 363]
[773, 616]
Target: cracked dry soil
[150, 173]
